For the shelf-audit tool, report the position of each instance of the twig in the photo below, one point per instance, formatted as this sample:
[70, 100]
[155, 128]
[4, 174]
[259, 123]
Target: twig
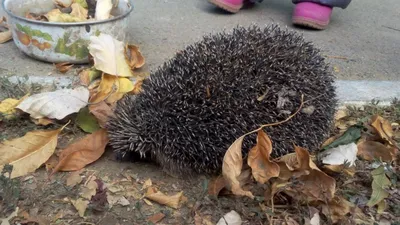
[391, 28]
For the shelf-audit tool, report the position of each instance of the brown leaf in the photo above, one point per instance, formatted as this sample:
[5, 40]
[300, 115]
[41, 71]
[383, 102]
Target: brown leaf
[371, 150]
[339, 207]
[42, 121]
[51, 163]
[134, 56]
[216, 185]
[137, 87]
[157, 196]
[311, 182]
[102, 111]
[262, 167]
[63, 67]
[341, 169]
[383, 128]
[156, 218]
[232, 168]
[83, 152]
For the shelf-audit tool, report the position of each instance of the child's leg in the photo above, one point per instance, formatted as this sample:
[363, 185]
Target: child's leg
[316, 13]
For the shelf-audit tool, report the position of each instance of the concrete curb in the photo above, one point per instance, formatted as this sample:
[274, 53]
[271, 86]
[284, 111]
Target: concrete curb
[348, 92]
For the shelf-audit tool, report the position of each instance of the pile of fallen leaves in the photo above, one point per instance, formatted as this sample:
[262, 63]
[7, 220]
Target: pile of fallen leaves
[87, 106]
[297, 178]
[69, 11]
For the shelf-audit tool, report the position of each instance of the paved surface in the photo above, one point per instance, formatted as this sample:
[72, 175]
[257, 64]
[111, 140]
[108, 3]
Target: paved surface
[365, 36]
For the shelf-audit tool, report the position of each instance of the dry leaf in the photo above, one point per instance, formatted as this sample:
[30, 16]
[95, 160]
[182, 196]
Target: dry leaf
[63, 3]
[339, 207]
[262, 167]
[108, 55]
[231, 218]
[311, 181]
[74, 179]
[147, 202]
[157, 196]
[156, 218]
[64, 67]
[89, 190]
[340, 114]
[380, 184]
[83, 152]
[341, 169]
[79, 12]
[56, 15]
[7, 106]
[371, 150]
[147, 184]
[216, 185]
[42, 121]
[80, 205]
[102, 111]
[87, 76]
[123, 86]
[383, 128]
[117, 199]
[5, 36]
[232, 168]
[51, 163]
[103, 9]
[55, 105]
[29, 152]
[134, 56]
[137, 87]
[106, 87]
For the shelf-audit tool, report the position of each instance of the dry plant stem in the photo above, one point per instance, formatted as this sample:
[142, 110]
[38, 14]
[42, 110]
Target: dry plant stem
[280, 122]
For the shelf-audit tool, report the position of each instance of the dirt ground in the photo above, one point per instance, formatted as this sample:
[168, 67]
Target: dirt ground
[43, 199]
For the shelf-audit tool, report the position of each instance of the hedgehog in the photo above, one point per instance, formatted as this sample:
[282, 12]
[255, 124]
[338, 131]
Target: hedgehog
[194, 106]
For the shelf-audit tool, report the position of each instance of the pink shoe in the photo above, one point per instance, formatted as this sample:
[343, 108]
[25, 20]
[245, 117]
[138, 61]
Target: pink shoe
[232, 6]
[312, 15]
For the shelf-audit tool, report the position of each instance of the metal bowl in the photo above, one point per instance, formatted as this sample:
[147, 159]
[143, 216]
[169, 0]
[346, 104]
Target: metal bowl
[60, 42]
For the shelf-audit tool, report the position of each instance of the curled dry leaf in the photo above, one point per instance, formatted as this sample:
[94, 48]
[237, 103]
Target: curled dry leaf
[89, 190]
[258, 159]
[29, 152]
[219, 183]
[232, 168]
[63, 67]
[137, 87]
[371, 150]
[55, 105]
[157, 196]
[109, 55]
[147, 184]
[383, 128]
[134, 56]
[42, 121]
[112, 89]
[81, 153]
[340, 114]
[5, 32]
[313, 183]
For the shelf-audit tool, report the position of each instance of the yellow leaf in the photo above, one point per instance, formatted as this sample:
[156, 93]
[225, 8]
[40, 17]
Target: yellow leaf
[74, 179]
[123, 86]
[109, 55]
[7, 106]
[64, 67]
[232, 168]
[381, 207]
[262, 167]
[159, 197]
[147, 184]
[106, 87]
[29, 152]
[78, 11]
